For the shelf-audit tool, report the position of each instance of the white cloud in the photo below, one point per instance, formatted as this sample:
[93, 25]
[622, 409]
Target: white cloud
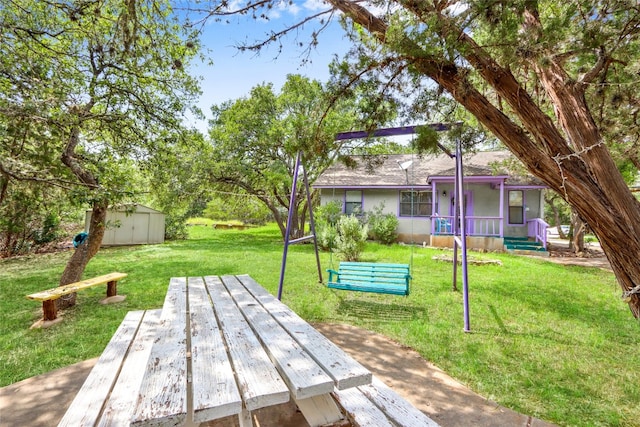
[314, 5]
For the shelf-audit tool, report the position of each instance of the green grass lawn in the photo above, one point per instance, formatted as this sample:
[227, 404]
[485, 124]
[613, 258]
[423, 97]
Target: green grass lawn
[551, 341]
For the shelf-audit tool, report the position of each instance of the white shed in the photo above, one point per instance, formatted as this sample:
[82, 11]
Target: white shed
[131, 225]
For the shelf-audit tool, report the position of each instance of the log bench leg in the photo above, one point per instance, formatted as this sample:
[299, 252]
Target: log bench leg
[112, 293]
[112, 288]
[49, 310]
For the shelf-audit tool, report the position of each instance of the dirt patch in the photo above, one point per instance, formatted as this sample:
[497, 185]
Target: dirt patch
[592, 256]
[427, 387]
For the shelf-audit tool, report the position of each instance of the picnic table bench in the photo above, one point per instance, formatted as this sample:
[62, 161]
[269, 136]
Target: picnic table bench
[49, 297]
[224, 347]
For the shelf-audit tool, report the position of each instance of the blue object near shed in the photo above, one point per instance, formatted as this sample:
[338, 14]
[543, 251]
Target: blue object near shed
[79, 239]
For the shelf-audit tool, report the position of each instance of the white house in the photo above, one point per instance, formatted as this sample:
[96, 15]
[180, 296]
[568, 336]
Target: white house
[420, 191]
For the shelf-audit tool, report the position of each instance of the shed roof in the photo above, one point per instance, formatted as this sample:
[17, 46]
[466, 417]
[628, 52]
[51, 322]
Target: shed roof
[386, 171]
[131, 207]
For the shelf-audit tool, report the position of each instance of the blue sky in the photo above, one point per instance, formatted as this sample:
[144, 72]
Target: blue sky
[234, 73]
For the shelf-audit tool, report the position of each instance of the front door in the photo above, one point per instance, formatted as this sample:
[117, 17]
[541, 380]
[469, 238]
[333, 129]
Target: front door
[468, 209]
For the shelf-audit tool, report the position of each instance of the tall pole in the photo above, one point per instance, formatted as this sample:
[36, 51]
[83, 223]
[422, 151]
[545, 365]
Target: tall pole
[463, 235]
[292, 200]
[312, 224]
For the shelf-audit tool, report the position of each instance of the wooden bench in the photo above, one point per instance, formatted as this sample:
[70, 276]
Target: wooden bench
[377, 405]
[371, 277]
[49, 297]
[108, 395]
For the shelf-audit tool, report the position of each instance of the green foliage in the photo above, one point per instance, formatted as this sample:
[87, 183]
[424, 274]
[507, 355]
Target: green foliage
[89, 95]
[255, 141]
[382, 226]
[175, 227]
[328, 213]
[50, 230]
[30, 217]
[177, 178]
[326, 221]
[327, 236]
[351, 238]
[427, 140]
[243, 208]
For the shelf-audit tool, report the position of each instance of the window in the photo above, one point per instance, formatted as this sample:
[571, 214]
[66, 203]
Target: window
[516, 207]
[353, 202]
[415, 203]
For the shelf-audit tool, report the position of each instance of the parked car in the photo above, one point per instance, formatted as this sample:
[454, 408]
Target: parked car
[553, 230]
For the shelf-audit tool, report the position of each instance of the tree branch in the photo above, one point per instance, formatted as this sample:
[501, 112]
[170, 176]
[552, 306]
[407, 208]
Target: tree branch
[603, 61]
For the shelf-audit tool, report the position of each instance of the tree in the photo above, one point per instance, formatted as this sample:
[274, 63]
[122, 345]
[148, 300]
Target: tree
[536, 74]
[177, 178]
[256, 140]
[86, 87]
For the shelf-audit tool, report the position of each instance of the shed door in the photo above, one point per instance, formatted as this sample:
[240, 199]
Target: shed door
[140, 228]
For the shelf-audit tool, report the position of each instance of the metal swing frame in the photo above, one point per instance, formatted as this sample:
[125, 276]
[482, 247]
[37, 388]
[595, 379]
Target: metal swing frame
[459, 223]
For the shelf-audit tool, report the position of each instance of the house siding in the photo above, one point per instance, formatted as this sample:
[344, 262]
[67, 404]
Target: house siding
[410, 229]
[533, 208]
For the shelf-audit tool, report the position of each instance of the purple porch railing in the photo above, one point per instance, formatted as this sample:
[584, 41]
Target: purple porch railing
[537, 228]
[475, 225]
[488, 226]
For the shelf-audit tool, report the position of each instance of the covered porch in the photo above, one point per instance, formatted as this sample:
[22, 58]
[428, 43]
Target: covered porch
[496, 209]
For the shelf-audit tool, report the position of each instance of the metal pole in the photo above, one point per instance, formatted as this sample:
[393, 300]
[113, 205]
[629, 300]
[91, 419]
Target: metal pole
[292, 201]
[312, 224]
[454, 230]
[463, 236]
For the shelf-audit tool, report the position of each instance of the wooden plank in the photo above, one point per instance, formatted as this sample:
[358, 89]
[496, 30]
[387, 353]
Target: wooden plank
[87, 405]
[162, 399]
[245, 419]
[343, 369]
[119, 408]
[215, 393]
[259, 382]
[320, 410]
[368, 288]
[302, 374]
[55, 293]
[360, 410]
[395, 406]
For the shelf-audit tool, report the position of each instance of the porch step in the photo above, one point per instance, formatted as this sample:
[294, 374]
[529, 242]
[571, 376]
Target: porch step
[522, 244]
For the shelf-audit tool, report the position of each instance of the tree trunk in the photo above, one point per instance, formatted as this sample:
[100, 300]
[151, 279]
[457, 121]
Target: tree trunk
[84, 252]
[577, 234]
[582, 171]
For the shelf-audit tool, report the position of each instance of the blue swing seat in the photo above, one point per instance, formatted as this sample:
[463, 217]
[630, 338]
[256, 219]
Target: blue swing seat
[371, 277]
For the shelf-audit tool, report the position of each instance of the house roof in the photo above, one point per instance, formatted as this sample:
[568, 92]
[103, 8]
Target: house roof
[386, 171]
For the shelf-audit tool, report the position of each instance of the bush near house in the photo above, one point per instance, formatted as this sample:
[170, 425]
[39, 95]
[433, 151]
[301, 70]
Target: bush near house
[351, 238]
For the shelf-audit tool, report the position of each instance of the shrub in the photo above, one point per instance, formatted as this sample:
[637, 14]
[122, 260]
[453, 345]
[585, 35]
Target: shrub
[326, 219]
[248, 210]
[329, 213]
[326, 236]
[352, 235]
[383, 227]
[50, 229]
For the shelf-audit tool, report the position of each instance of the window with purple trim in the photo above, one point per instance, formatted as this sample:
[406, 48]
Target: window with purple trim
[353, 202]
[516, 207]
[415, 203]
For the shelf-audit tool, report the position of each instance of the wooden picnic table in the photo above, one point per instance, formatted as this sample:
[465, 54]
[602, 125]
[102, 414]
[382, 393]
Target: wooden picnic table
[224, 347]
